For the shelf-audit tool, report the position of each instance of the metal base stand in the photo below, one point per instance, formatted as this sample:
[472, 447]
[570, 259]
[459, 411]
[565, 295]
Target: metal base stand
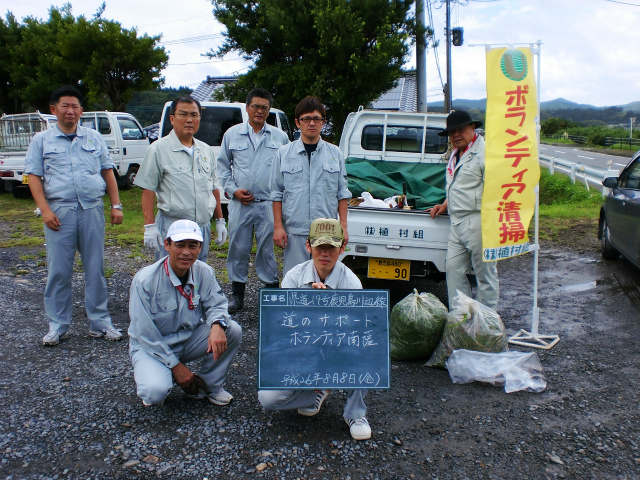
[529, 339]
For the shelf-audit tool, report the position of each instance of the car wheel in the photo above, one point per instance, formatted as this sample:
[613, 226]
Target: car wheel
[608, 250]
[131, 176]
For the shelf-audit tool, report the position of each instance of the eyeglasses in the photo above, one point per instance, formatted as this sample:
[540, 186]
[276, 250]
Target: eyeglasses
[183, 114]
[311, 119]
[264, 108]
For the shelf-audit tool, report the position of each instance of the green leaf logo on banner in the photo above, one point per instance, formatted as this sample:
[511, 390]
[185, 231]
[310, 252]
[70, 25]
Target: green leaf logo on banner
[514, 65]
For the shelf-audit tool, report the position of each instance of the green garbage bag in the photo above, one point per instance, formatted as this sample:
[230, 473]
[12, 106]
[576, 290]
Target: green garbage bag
[471, 326]
[416, 326]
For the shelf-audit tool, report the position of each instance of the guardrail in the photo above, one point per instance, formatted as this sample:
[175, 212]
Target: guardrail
[577, 170]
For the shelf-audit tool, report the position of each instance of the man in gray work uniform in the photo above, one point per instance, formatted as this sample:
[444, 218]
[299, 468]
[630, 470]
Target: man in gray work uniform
[308, 181]
[244, 165]
[465, 184]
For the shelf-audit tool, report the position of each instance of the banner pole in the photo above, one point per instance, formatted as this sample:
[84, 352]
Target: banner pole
[533, 338]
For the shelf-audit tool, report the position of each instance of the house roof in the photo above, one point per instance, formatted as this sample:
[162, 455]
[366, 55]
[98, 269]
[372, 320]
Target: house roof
[403, 97]
[205, 90]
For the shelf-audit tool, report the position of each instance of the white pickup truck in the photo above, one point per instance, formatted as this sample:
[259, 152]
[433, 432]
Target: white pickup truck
[121, 131]
[393, 153]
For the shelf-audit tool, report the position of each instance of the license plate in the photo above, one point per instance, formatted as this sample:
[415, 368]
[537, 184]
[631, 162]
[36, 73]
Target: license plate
[25, 179]
[389, 268]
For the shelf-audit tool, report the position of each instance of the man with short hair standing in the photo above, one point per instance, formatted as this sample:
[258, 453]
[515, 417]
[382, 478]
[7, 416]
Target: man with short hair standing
[178, 315]
[465, 184]
[308, 181]
[181, 172]
[244, 164]
[325, 243]
[77, 171]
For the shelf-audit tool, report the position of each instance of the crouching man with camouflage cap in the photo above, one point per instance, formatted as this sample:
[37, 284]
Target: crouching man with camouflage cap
[178, 315]
[325, 244]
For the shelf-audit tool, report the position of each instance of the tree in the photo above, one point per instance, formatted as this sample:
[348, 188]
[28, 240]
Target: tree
[147, 106]
[347, 52]
[104, 61]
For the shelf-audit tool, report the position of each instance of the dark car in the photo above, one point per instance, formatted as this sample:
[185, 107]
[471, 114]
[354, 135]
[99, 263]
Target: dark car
[619, 228]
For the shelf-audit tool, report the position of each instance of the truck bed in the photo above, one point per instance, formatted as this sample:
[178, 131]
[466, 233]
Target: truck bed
[397, 234]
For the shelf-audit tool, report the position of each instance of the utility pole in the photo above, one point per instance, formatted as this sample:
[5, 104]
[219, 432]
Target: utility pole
[631, 120]
[447, 93]
[421, 58]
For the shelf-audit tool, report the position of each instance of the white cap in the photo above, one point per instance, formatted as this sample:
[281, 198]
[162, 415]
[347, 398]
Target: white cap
[184, 230]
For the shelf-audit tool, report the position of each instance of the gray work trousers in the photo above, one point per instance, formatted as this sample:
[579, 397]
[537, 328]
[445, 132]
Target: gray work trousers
[295, 253]
[244, 221]
[163, 222]
[154, 379]
[81, 230]
[290, 399]
[465, 251]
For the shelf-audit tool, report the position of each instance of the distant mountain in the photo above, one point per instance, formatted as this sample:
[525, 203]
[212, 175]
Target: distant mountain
[562, 104]
[557, 104]
[635, 106]
[463, 104]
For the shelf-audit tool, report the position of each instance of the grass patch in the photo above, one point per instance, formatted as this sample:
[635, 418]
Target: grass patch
[565, 206]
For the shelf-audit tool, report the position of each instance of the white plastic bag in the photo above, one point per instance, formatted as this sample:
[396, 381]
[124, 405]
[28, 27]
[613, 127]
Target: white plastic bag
[369, 201]
[515, 370]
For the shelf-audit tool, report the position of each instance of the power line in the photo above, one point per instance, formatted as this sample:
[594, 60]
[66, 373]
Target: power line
[170, 21]
[435, 50]
[202, 63]
[623, 3]
[192, 39]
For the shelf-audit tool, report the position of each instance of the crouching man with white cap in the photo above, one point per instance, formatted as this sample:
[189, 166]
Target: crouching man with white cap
[178, 315]
[325, 244]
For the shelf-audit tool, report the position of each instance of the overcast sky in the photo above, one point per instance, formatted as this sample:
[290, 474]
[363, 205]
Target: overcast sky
[589, 54]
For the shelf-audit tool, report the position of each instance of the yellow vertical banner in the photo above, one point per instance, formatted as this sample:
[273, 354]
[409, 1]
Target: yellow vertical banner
[512, 170]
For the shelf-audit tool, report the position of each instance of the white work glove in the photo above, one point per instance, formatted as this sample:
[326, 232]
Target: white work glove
[152, 238]
[221, 230]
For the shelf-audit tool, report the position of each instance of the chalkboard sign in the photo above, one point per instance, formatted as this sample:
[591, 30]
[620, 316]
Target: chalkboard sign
[323, 339]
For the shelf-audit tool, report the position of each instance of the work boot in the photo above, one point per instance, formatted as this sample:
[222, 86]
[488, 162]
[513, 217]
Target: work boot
[236, 300]
[272, 285]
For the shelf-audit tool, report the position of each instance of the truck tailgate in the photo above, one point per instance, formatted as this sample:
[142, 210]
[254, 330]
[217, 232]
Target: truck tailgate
[397, 234]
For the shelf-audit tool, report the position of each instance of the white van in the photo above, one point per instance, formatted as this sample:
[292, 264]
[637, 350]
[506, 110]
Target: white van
[125, 139]
[122, 133]
[218, 117]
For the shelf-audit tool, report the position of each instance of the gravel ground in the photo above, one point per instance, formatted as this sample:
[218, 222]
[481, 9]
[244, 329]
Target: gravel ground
[71, 411]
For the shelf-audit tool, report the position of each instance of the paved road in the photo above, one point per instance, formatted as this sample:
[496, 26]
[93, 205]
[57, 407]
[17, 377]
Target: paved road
[593, 159]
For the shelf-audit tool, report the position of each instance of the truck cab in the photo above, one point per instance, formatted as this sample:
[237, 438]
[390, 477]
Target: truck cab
[125, 139]
[387, 154]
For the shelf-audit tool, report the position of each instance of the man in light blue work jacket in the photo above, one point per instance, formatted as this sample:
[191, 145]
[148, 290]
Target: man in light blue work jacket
[179, 315]
[308, 181]
[180, 172]
[75, 164]
[465, 184]
[244, 165]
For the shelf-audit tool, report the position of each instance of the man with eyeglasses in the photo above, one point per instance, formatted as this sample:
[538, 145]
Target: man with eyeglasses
[181, 172]
[465, 184]
[308, 181]
[244, 164]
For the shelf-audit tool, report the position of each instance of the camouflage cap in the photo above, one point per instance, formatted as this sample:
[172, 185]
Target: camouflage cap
[326, 231]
